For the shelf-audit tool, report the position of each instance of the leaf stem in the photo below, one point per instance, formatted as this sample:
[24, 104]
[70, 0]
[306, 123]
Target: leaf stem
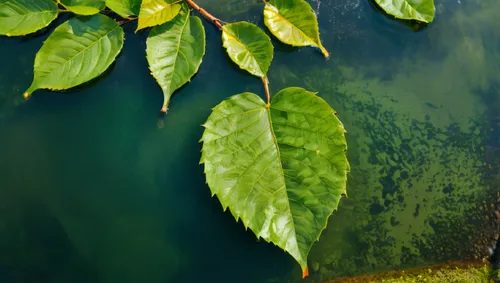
[265, 81]
[127, 20]
[205, 14]
[164, 108]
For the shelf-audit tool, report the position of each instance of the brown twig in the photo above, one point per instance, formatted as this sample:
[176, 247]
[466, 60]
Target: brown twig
[127, 20]
[266, 89]
[206, 14]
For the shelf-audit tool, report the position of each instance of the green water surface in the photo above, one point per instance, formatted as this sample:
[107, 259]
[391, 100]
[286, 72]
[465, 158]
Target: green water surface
[96, 187]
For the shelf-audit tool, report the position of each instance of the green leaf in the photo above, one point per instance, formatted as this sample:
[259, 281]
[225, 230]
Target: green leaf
[77, 51]
[293, 22]
[280, 168]
[157, 12]
[248, 46]
[174, 52]
[124, 8]
[420, 10]
[21, 17]
[83, 7]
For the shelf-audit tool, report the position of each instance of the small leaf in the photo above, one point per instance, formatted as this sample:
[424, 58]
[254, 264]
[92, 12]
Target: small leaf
[83, 7]
[157, 12]
[281, 169]
[175, 51]
[420, 10]
[77, 51]
[248, 46]
[21, 17]
[293, 22]
[124, 8]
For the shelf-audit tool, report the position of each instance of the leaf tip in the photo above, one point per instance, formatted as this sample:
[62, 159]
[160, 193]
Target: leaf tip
[325, 52]
[305, 272]
[30, 90]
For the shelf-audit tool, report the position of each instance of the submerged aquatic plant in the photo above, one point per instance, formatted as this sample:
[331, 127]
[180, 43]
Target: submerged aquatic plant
[279, 164]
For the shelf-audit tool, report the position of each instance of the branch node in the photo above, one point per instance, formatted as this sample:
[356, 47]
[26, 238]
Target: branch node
[207, 15]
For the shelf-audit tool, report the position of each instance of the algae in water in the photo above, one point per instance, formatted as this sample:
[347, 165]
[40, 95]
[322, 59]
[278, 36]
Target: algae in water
[417, 133]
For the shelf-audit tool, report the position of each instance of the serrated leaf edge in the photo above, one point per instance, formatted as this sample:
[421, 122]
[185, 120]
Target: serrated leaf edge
[305, 270]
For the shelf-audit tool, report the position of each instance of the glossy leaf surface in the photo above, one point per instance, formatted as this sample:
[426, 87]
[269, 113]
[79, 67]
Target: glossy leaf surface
[420, 10]
[83, 7]
[77, 51]
[175, 51]
[157, 12]
[21, 17]
[125, 8]
[248, 46]
[281, 170]
[293, 22]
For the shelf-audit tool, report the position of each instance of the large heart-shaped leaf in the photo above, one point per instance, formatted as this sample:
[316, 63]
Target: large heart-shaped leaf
[77, 51]
[125, 8]
[281, 169]
[21, 17]
[248, 46]
[420, 10]
[293, 22]
[83, 7]
[174, 52]
[157, 12]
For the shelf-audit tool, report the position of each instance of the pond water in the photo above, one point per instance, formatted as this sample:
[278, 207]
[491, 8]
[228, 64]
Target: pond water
[95, 186]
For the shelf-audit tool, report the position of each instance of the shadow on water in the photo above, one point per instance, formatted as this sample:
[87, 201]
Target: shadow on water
[39, 250]
[413, 25]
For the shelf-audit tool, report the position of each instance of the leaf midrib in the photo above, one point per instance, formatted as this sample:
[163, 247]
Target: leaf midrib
[27, 14]
[79, 53]
[275, 140]
[177, 53]
[20, 21]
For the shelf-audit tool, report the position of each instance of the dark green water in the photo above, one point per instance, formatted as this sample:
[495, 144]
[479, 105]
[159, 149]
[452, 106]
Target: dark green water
[92, 190]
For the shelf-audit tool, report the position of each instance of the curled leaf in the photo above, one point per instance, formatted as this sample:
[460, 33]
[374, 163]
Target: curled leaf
[248, 46]
[83, 7]
[124, 8]
[293, 22]
[157, 12]
[420, 10]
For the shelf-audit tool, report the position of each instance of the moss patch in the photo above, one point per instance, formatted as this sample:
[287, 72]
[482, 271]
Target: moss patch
[452, 272]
